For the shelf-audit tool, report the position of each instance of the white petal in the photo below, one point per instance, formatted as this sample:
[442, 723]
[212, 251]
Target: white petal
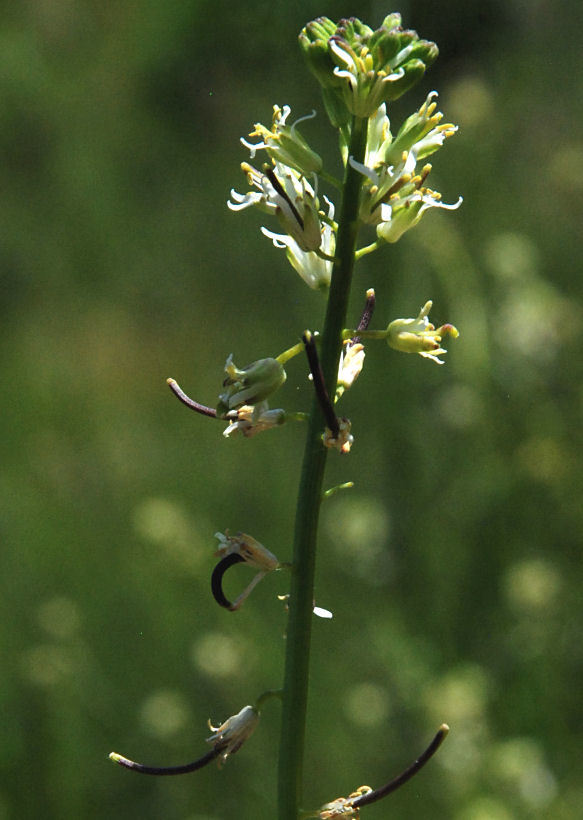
[364, 170]
[322, 613]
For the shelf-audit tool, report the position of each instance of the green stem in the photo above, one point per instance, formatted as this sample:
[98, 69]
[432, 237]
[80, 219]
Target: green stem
[365, 334]
[310, 496]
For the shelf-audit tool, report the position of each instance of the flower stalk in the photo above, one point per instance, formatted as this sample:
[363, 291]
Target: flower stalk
[295, 698]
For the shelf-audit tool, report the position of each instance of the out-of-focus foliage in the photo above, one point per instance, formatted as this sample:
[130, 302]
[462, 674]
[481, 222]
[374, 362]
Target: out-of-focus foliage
[454, 565]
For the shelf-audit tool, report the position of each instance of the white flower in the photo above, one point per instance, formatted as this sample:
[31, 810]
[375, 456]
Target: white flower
[351, 362]
[230, 735]
[394, 196]
[251, 420]
[284, 143]
[314, 270]
[285, 193]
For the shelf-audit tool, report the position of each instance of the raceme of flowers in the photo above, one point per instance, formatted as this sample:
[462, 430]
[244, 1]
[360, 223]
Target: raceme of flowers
[394, 198]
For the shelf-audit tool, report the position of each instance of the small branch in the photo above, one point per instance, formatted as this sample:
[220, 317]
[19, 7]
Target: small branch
[330, 179]
[365, 334]
[367, 249]
[194, 405]
[290, 353]
[167, 770]
[319, 385]
[267, 695]
[397, 782]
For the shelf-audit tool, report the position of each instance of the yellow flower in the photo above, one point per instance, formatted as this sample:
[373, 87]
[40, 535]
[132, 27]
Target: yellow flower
[419, 336]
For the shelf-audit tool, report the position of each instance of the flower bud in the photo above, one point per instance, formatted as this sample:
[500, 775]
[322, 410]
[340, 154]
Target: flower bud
[285, 144]
[359, 68]
[250, 385]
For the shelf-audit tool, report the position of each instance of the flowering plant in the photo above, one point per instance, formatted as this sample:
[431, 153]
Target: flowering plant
[361, 71]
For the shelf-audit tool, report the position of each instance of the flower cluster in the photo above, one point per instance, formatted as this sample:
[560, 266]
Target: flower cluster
[394, 194]
[282, 190]
[361, 71]
[358, 68]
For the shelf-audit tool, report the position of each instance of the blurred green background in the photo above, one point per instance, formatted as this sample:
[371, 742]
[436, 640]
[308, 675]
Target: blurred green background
[453, 567]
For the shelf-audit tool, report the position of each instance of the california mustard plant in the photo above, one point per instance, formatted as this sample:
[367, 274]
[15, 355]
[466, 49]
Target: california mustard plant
[383, 191]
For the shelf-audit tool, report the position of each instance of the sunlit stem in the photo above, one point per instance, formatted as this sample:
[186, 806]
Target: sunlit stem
[293, 724]
[290, 353]
[365, 334]
[374, 246]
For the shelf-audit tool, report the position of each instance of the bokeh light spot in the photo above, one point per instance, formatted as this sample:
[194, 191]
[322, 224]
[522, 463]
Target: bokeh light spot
[164, 713]
[217, 655]
[367, 704]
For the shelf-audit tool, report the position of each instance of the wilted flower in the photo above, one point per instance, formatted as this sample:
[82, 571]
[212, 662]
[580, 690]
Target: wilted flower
[343, 441]
[419, 336]
[351, 362]
[249, 385]
[251, 420]
[252, 552]
[284, 143]
[343, 806]
[230, 735]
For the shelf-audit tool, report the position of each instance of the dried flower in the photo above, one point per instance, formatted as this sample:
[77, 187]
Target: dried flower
[230, 735]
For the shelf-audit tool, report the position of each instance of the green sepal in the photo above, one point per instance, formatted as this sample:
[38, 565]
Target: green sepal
[335, 106]
[391, 21]
[426, 51]
[414, 70]
[318, 60]
[386, 47]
